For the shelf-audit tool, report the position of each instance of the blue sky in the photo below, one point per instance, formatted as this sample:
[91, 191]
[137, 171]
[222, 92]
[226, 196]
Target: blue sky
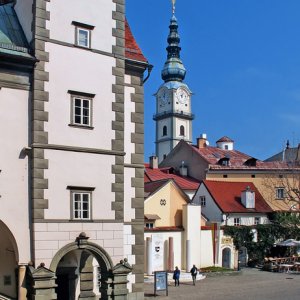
[243, 66]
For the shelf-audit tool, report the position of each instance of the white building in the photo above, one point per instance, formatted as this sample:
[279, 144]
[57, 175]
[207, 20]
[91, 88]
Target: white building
[71, 181]
[232, 203]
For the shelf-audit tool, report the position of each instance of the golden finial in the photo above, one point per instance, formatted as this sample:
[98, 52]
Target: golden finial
[173, 6]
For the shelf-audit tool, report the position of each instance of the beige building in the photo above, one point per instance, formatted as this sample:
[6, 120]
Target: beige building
[71, 180]
[275, 180]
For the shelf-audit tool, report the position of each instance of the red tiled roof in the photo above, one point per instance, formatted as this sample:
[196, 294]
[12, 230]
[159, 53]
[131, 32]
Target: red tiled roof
[227, 196]
[184, 182]
[132, 50]
[152, 186]
[213, 154]
[225, 139]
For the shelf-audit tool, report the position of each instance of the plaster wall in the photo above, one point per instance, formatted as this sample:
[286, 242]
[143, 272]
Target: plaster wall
[192, 233]
[129, 242]
[207, 258]
[164, 148]
[23, 10]
[129, 147]
[171, 213]
[95, 77]
[96, 13]
[50, 237]
[152, 205]
[177, 246]
[129, 193]
[210, 210]
[161, 124]
[83, 170]
[14, 190]
[185, 124]
[246, 219]
[196, 165]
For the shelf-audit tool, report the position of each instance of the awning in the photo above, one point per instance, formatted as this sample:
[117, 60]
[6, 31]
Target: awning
[151, 217]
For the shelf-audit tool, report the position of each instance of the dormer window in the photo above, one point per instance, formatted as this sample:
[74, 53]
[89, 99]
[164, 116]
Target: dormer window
[251, 162]
[224, 161]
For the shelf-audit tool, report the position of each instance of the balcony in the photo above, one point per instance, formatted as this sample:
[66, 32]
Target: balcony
[173, 113]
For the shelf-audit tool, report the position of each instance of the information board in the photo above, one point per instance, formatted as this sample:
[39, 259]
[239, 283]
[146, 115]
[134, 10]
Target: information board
[160, 282]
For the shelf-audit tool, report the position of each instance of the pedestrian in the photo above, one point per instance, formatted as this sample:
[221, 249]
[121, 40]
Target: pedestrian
[194, 271]
[176, 276]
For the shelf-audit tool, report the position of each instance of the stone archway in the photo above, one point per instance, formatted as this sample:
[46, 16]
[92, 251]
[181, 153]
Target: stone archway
[226, 258]
[80, 273]
[9, 257]
[113, 278]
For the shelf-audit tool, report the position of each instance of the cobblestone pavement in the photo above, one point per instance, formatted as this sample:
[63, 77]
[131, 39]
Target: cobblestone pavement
[248, 284]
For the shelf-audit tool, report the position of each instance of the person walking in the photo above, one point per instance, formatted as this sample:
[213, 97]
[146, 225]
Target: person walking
[194, 272]
[176, 276]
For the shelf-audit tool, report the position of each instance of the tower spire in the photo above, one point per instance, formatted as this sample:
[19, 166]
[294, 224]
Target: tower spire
[173, 69]
[173, 6]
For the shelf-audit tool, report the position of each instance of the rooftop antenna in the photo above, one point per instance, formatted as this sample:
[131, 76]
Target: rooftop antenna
[173, 6]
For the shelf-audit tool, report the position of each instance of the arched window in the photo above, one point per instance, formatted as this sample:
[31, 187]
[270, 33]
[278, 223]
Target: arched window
[181, 130]
[165, 131]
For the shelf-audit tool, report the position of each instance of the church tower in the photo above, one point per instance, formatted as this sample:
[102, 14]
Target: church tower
[173, 99]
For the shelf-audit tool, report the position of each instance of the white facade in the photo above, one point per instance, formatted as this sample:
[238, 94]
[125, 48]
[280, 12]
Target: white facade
[214, 214]
[71, 174]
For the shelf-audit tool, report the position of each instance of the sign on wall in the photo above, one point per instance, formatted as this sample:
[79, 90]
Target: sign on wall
[157, 252]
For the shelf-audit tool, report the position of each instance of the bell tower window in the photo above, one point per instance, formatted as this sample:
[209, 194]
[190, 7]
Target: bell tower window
[165, 130]
[181, 130]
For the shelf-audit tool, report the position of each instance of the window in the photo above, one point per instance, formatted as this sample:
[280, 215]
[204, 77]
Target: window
[81, 205]
[253, 175]
[81, 109]
[202, 201]
[226, 147]
[224, 161]
[81, 199]
[280, 193]
[181, 130]
[149, 225]
[165, 131]
[256, 220]
[225, 176]
[237, 221]
[83, 34]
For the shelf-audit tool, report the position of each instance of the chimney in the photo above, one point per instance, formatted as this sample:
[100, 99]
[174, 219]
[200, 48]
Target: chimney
[202, 141]
[153, 162]
[248, 198]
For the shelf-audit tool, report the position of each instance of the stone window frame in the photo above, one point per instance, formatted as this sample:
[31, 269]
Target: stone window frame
[83, 97]
[86, 28]
[76, 190]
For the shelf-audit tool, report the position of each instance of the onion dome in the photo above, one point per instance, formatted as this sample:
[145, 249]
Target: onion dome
[173, 69]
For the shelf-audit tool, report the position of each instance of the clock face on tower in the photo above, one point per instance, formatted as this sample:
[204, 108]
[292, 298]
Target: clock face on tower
[163, 97]
[182, 96]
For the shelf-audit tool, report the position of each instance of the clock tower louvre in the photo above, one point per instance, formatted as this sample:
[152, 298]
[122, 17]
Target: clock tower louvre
[173, 116]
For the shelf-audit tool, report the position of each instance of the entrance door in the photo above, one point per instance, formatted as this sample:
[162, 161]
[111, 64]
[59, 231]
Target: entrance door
[226, 258]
